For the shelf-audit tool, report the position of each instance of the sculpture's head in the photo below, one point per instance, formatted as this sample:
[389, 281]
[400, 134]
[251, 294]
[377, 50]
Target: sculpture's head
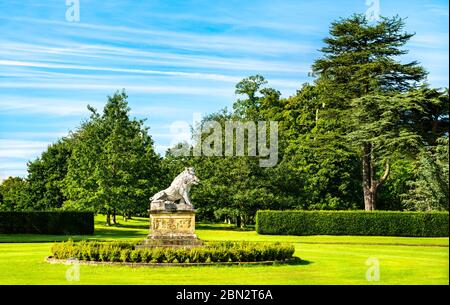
[190, 175]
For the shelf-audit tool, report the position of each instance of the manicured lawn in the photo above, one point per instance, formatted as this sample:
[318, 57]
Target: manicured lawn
[327, 260]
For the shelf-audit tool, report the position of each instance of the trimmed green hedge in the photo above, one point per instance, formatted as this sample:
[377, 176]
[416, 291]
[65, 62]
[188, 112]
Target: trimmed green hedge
[74, 223]
[374, 223]
[211, 252]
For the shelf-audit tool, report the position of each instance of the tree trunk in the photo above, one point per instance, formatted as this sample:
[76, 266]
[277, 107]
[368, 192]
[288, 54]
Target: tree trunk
[114, 217]
[369, 203]
[108, 219]
[370, 184]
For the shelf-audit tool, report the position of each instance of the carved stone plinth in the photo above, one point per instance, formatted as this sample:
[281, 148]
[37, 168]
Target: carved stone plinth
[171, 227]
[172, 224]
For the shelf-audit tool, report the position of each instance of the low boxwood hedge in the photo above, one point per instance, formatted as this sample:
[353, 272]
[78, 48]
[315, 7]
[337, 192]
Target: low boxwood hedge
[61, 222]
[211, 252]
[372, 223]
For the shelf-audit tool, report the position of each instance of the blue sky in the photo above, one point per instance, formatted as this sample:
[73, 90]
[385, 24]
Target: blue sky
[174, 58]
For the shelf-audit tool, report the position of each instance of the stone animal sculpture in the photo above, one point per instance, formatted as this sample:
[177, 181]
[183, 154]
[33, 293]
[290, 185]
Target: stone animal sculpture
[178, 191]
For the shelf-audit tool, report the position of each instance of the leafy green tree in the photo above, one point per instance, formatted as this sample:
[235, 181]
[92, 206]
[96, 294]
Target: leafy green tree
[430, 189]
[14, 194]
[45, 175]
[231, 188]
[113, 168]
[250, 107]
[323, 171]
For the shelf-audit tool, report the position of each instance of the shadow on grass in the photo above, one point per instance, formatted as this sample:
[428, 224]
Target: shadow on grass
[129, 226]
[298, 261]
[221, 227]
[99, 234]
[107, 233]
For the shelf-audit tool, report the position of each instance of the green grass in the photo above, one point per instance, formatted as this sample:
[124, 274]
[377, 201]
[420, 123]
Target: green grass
[327, 260]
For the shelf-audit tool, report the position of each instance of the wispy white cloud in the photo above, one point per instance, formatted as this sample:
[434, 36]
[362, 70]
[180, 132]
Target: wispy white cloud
[191, 41]
[209, 76]
[156, 110]
[242, 22]
[21, 148]
[4, 174]
[34, 134]
[439, 10]
[44, 105]
[63, 51]
[52, 106]
[131, 88]
[24, 72]
[12, 165]
[430, 40]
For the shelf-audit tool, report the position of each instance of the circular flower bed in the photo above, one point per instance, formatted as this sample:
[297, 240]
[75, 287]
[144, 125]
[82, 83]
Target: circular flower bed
[210, 252]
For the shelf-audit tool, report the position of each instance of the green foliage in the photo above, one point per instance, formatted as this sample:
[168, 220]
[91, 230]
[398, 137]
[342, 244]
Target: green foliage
[231, 188]
[359, 58]
[249, 108]
[357, 77]
[14, 194]
[45, 175]
[212, 252]
[113, 167]
[375, 223]
[430, 190]
[391, 194]
[363, 104]
[47, 222]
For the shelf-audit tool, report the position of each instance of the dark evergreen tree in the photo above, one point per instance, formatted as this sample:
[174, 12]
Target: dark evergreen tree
[359, 60]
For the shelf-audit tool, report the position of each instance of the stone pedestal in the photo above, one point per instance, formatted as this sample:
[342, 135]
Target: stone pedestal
[171, 225]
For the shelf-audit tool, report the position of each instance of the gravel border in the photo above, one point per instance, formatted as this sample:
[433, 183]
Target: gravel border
[52, 260]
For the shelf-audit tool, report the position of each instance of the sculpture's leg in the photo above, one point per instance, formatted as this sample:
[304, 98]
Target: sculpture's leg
[182, 201]
[158, 196]
[186, 198]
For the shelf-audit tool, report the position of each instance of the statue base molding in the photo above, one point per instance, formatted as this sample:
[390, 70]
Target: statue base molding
[171, 225]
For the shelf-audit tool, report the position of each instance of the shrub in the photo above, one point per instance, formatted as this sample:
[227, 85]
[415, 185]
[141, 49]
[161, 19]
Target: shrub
[212, 252]
[145, 255]
[380, 223]
[135, 256]
[60, 222]
[115, 254]
[125, 255]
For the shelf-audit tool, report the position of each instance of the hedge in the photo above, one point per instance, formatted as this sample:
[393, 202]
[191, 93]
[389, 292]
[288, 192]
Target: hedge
[74, 223]
[211, 252]
[373, 223]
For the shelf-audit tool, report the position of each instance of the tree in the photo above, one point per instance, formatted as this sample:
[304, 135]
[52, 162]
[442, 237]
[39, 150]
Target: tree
[45, 175]
[388, 125]
[250, 107]
[232, 187]
[322, 168]
[430, 189]
[358, 60]
[113, 168]
[362, 122]
[14, 194]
